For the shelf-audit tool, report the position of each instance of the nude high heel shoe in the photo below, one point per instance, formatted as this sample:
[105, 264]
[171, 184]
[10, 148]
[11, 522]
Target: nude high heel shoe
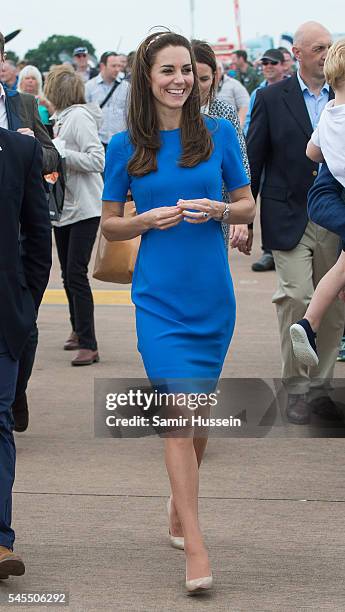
[175, 541]
[199, 585]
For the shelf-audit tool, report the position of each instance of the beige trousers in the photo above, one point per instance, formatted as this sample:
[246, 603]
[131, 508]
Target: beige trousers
[298, 272]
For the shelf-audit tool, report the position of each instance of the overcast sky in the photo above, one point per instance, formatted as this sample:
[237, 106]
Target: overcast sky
[122, 24]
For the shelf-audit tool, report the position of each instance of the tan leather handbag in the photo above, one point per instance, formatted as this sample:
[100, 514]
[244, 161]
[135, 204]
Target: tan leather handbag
[115, 260]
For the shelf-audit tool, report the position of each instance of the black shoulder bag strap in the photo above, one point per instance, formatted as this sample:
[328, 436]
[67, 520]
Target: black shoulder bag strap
[109, 94]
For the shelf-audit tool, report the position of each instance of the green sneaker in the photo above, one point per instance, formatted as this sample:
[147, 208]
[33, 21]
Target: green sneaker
[341, 355]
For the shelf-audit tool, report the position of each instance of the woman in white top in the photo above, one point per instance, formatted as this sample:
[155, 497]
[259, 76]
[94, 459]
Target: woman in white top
[76, 131]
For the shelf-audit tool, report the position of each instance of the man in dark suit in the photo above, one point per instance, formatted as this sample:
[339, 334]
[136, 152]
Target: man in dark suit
[19, 113]
[23, 279]
[283, 119]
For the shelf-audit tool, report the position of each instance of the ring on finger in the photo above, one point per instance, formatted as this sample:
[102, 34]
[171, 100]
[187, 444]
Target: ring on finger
[205, 215]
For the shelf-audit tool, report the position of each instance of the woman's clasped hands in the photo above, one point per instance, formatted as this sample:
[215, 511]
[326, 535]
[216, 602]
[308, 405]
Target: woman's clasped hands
[201, 210]
[197, 211]
[192, 211]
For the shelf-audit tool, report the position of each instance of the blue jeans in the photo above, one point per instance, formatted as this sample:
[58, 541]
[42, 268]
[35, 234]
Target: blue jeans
[8, 381]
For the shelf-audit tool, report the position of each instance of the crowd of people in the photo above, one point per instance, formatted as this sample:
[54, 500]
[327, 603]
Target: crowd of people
[193, 143]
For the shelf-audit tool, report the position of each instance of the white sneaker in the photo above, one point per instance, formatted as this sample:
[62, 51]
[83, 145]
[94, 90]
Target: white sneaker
[303, 343]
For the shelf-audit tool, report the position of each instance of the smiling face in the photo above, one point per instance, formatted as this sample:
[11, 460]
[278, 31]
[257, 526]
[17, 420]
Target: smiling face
[171, 78]
[205, 78]
[272, 71]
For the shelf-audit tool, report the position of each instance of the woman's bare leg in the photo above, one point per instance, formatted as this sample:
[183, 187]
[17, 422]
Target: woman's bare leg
[182, 466]
[199, 442]
[201, 434]
[175, 523]
[199, 448]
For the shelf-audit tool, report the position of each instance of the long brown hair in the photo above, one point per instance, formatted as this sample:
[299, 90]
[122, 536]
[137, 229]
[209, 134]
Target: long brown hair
[143, 124]
[204, 54]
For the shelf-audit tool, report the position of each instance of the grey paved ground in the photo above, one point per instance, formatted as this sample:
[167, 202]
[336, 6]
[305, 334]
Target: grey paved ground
[90, 513]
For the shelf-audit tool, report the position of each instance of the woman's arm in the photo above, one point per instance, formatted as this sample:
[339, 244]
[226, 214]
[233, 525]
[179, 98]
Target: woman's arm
[115, 226]
[242, 207]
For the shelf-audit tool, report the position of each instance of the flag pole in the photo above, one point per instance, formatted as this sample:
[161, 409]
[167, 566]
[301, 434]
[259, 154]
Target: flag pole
[238, 22]
[192, 17]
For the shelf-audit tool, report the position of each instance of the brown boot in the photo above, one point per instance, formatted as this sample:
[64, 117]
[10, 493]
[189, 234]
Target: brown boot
[72, 343]
[10, 564]
[85, 357]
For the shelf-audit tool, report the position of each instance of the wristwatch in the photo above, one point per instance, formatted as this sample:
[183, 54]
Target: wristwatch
[226, 212]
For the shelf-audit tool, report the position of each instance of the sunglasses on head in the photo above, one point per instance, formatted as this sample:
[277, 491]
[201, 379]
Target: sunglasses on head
[266, 62]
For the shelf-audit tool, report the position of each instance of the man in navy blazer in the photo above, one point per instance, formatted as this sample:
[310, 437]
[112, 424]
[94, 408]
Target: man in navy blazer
[24, 276]
[18, 112]
[283, 119]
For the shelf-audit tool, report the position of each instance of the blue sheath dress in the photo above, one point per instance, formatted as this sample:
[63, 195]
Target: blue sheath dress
[182, 287]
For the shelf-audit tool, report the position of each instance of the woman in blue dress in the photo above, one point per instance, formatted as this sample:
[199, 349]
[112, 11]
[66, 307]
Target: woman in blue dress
[173, 160]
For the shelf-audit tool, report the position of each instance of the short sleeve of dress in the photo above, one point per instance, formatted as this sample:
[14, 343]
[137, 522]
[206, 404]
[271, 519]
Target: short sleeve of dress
[315, 138]
[234, 173]
[116, 181]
